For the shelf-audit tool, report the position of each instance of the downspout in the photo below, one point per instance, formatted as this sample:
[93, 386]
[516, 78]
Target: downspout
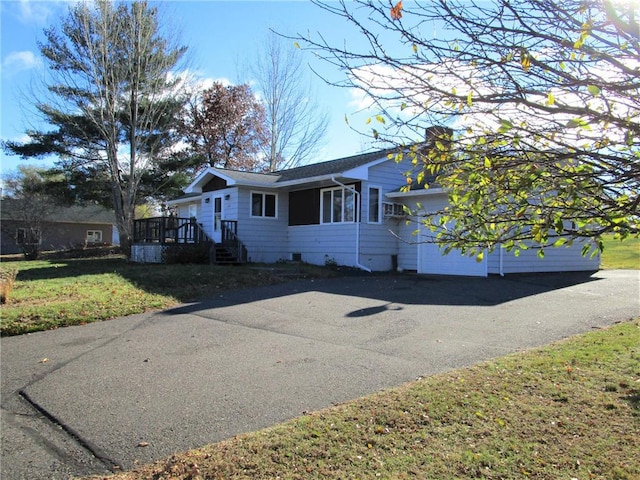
[501, 261]
[357, 213]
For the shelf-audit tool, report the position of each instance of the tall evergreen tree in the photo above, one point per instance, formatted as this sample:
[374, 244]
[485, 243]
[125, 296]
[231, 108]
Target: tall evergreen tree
[113, 101]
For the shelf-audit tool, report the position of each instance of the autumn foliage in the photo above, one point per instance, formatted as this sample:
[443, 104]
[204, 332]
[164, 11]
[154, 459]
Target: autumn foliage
[396, 11]
[225, 127]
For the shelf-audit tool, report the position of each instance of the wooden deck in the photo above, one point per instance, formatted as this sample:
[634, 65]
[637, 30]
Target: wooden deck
[182, 240]
[168, 230]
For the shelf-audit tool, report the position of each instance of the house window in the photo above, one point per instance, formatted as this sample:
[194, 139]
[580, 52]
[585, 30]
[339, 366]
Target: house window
[27, 236]
[304, 207]
[94, 236]
[263, 205]
[374, 205]
[338, 205]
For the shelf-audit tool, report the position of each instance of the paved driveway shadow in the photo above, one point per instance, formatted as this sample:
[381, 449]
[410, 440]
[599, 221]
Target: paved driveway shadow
[250, 358]
[408, 289]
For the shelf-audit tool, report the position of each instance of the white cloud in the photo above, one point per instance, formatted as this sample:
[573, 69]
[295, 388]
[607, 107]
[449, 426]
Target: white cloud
[205, 83]
[196, 82]
[40, 12]
[18, 61]
[418, 93]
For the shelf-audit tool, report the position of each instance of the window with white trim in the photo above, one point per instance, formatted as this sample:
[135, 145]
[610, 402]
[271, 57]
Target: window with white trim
[374, 205]
[264, 204]
[338, 205]
[94, 236]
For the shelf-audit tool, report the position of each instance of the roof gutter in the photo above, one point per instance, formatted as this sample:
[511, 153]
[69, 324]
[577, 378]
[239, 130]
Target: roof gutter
[416, 193]
[357, 212]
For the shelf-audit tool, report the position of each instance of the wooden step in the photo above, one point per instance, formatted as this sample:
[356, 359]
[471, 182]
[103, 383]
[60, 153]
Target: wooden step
[224, 256]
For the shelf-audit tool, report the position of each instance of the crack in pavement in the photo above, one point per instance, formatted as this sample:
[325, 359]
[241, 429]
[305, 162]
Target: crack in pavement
[64, 456]
[96, 451]
[40, 413]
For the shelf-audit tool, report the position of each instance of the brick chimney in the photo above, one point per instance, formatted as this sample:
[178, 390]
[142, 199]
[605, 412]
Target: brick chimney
[437, 132]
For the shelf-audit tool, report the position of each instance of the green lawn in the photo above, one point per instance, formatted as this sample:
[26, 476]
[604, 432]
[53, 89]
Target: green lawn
[568, 411]
[619, 254]
[55, 293]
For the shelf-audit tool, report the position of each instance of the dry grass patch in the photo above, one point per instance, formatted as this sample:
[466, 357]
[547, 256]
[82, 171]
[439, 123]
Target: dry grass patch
[7, 279]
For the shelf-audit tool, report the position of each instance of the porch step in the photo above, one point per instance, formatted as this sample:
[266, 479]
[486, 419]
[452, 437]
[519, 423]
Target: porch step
[224, 256]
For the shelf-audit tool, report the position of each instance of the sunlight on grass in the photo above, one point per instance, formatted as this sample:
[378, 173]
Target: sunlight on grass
[51, 294]
[621, 254]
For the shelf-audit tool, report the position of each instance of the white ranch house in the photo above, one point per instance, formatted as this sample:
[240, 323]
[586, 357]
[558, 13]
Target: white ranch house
[341, 211]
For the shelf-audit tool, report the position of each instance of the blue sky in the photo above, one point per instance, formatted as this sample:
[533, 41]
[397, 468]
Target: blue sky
[221, 35]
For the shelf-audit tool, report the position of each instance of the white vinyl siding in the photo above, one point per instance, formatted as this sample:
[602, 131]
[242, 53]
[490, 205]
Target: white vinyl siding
[556, 259]
[193, 210]
[319, 243]
[380, 250]
[407, 250]
[266, 241]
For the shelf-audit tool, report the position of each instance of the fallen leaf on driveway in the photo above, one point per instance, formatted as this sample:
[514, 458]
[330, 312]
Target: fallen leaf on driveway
[44, 360]
[143, 444]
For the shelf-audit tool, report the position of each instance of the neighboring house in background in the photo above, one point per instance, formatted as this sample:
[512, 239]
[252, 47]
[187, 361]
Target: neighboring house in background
[342, 212]
[63, 228]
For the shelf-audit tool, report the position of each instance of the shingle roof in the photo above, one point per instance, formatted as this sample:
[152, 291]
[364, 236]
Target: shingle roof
[331, 167]
[73, 214]
[296, 175]
[306, 171]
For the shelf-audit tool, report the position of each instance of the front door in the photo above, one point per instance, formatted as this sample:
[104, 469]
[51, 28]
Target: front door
[217, 219]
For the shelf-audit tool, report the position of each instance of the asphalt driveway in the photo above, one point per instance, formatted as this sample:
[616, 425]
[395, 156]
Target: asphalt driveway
[82, 400]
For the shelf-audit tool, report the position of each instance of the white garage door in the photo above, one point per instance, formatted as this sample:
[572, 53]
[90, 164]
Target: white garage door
[431, 260]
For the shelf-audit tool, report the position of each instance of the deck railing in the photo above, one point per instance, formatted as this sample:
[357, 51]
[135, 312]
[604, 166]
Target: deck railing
[168, 230]
[231, 241]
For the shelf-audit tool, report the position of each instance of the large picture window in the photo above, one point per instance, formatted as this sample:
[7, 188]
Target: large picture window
[263, 204]
[338, 205]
